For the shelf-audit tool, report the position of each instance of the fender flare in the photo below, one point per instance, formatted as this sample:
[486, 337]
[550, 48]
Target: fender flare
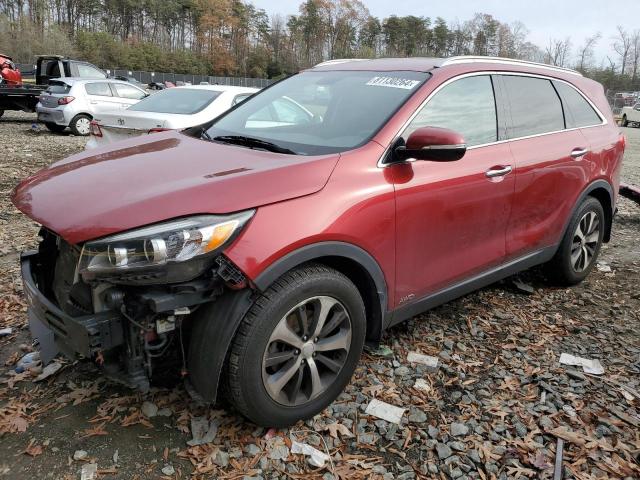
[600, 183]
[317, 251]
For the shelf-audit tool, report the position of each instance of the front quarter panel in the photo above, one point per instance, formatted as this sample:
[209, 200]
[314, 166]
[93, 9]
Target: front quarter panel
[355, 207]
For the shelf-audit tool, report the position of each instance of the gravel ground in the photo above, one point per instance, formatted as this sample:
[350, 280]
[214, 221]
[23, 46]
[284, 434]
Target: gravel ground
[496, 406]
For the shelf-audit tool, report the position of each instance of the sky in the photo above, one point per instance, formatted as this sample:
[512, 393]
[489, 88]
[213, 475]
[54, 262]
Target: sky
[545, 19]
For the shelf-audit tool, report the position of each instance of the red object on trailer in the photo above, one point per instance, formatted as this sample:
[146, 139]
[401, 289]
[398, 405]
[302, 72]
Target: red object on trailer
[631, 192]
[9, 73]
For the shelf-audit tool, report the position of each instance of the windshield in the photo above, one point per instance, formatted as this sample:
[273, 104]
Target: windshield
[184, 101]
[316, 113]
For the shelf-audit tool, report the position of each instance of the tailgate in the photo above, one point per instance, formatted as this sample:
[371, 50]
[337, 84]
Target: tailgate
[49, 101]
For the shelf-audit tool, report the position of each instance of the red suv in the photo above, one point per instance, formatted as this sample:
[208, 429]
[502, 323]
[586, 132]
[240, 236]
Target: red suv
[263, 249]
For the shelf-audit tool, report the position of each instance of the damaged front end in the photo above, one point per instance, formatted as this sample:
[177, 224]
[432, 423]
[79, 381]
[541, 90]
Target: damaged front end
[126, 301]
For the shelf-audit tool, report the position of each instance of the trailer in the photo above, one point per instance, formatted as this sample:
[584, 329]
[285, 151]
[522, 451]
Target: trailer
[17, 95]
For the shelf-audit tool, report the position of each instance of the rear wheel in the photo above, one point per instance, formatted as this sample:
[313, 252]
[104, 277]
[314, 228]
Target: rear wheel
[625, 122]
[81, 125]
[54, 127]
[580, 246]
[297, 347]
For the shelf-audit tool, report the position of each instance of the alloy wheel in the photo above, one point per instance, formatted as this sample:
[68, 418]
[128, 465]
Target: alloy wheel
[306, 351]
[585, 242]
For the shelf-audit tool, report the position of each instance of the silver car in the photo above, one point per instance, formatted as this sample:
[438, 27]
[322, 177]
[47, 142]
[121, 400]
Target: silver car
[171, 109]
[73, 102]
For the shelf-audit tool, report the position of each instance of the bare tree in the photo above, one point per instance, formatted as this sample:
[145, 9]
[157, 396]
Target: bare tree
[558, 51]
[585, 52]
[622, 46]
[635, 55]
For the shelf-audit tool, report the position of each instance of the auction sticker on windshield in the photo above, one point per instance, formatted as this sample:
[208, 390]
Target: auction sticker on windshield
[393, 82]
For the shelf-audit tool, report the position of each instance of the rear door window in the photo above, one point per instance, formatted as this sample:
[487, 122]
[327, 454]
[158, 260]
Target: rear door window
[128, 91]
[577, 111]
[466, 106]
[535, 106]
[98, 88]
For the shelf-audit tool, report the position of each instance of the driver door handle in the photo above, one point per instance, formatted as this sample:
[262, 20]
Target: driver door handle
[499, 171]
[579, 152]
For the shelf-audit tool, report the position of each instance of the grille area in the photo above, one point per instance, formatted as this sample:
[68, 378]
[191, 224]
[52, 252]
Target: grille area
[58, 261]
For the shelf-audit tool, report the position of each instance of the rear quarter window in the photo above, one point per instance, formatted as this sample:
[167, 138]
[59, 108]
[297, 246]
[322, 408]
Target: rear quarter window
[578, 112]
[535, 106]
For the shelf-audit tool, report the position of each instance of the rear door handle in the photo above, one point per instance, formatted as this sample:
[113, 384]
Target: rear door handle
[498, 171]
[579, 152]
[93, 102]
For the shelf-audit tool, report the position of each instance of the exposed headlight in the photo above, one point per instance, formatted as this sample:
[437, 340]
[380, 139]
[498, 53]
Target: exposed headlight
[160, 247]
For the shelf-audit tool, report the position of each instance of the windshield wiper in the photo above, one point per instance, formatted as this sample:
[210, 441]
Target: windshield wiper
[204, 134]
[253, 143]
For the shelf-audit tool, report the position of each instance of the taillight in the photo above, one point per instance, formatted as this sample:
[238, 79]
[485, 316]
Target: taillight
[156, 130]
[65, 100]
[94, 129]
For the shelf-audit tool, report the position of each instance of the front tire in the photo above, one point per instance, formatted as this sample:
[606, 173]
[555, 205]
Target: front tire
[580, 246]
[297, 347]
[54, 127]
[81, 125]
[625, 122]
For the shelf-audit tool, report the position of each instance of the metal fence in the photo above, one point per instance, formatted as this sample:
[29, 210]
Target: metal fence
[148, 77]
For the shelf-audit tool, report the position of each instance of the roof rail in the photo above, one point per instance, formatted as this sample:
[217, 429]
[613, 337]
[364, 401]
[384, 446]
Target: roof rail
[340, 60]
[506, 61]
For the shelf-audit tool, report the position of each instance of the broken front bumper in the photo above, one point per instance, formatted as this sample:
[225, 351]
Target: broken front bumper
[55, 331]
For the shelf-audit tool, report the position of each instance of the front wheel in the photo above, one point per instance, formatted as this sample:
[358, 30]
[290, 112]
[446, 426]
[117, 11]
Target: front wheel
[625, 122]
[297, 347]
[580, 245]
[81, 125]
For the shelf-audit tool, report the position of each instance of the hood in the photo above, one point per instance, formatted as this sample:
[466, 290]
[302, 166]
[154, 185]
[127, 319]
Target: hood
[161, 176]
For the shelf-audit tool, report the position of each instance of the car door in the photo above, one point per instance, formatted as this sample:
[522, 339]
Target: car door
[451, 217]
[128, 94]
[552, 163]
[100, 97]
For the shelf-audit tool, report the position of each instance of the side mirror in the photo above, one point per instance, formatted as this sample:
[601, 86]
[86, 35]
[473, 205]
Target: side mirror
[434, 144]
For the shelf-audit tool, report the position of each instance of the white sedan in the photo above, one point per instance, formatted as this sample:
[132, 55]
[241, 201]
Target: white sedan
[631, 115]
[170, 109]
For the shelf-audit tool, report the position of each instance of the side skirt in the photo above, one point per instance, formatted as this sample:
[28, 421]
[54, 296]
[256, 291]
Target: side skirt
[469, 285]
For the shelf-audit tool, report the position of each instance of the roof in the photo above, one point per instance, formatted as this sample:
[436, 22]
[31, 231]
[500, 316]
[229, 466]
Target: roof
[426, 64]
[417, 64]
[221, 88]
[74, 80]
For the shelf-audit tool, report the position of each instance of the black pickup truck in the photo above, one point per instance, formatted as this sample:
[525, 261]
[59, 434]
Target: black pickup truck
[24, 96]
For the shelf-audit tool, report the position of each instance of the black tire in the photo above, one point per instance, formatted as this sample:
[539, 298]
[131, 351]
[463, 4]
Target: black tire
[561, 269]
[244, 381]
[625, 122]
[54, 127]
[77, 125]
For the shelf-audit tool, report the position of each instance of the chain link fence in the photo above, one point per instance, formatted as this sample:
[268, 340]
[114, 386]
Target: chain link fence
[160, 77]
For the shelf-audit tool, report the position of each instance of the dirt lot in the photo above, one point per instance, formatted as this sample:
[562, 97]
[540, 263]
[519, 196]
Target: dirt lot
[495, 407]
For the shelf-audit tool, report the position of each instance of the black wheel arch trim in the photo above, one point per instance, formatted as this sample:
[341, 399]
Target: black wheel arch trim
[215, 325]
[596, 184]
[316, 251]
